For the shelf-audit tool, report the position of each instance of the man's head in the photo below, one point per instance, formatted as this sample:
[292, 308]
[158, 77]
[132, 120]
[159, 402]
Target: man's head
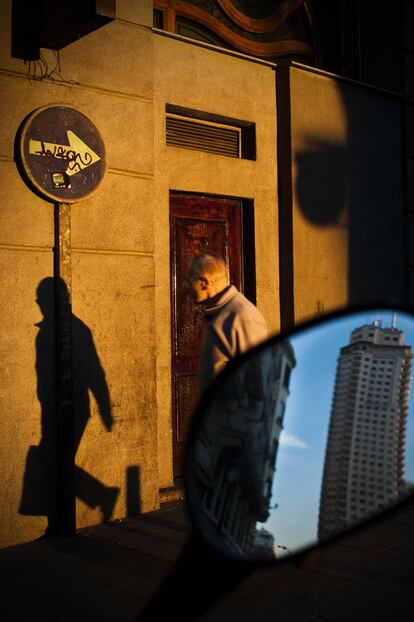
[207, 276]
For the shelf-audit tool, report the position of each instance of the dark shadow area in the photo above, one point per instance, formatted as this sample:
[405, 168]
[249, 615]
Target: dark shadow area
[42, 488]
[377, 264]
[199, 578]
[133, 495]
[356, 184]
[324, 202]
[40, 484]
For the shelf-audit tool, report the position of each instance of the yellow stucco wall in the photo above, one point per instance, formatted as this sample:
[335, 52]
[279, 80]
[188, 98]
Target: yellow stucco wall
[320, 234]
[122, 76]
[203, 79]
[108, 75]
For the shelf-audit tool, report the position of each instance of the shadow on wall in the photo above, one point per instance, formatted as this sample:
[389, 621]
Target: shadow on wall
[355, 183]
[40, 495]
[323, 202]
[378, 263]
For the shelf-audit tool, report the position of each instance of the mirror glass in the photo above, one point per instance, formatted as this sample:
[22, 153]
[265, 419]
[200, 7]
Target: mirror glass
[306, 437]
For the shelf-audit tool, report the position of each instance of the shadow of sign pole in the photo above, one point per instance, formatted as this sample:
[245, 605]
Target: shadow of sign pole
[63, 311]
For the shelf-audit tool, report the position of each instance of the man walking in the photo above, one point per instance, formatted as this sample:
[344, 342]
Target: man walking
[233, 323]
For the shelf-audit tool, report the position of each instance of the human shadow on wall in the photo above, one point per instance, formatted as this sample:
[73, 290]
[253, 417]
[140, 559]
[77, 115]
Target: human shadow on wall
[41, 493]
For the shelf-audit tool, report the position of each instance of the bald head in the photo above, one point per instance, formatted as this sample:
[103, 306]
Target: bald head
[207, 276]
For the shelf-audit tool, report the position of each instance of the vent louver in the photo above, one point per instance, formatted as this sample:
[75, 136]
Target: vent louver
[203, 136]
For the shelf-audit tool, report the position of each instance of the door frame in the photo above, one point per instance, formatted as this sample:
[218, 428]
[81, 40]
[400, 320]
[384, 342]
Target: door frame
[247, 276]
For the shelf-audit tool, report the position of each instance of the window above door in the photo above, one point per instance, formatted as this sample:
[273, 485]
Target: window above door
[267, 29]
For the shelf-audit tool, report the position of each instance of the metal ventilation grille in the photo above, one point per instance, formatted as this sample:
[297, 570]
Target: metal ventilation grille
[203, 136]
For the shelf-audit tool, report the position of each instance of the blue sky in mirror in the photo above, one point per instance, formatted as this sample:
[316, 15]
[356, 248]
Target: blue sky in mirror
[299, 463]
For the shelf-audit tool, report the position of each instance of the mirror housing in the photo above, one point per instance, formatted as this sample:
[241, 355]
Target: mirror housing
[304, 437]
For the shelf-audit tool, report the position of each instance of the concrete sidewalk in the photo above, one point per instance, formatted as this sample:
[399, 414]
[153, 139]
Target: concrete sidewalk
[111, 571]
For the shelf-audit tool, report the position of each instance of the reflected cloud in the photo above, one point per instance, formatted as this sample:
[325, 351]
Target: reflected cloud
[289, 440]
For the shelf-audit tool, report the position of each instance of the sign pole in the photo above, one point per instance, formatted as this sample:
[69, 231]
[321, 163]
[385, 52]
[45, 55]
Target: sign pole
[62, 158]
[63, 315]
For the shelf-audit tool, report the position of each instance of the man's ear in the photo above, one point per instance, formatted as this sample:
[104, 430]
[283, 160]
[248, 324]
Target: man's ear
[204, 282]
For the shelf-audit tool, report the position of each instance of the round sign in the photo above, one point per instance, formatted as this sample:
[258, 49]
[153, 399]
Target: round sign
[62, 153]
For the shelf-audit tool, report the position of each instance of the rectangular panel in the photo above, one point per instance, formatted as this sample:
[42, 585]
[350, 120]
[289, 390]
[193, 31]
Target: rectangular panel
[186, 396]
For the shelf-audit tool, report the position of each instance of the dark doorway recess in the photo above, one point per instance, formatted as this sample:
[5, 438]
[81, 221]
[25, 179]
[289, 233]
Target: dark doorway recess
[201, 224]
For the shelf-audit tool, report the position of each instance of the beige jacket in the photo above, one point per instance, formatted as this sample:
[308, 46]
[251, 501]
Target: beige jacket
[233, 325]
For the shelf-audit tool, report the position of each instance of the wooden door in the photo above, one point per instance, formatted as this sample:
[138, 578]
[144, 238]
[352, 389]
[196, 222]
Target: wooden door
[198, 225]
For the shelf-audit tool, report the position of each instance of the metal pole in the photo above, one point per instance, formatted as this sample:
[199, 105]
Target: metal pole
[63, 315]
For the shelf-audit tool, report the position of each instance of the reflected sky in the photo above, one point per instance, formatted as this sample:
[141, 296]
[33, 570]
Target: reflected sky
[301, 454]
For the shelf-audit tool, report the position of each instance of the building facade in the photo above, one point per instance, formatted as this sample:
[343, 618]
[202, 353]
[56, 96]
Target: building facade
[364, 461]
[235, 450]
[229, 126]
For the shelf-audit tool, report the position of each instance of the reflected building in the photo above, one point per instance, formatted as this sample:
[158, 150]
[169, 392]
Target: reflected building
[263, 543]
[235, 453]
[364, 461]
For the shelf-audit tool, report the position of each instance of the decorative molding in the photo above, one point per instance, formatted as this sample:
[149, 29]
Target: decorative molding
[112, 251]
[261, 26]
[130, 173]
[264, 50]
[76, 85]
[215, 47]
[170, 18]
[25, 247]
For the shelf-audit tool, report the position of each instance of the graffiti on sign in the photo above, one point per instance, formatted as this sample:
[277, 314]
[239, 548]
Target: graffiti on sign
[62, 164]
[77, 154]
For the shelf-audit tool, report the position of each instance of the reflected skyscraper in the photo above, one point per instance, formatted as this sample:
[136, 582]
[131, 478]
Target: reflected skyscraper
[364, 461]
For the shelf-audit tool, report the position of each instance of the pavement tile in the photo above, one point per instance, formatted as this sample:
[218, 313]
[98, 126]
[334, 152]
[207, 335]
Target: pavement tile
[176, 517]
[359, 566]
[141, 576]
[380, 535]
[84, 554]
[241, 606]
[377, 539]
[41, 547]
[51, 586]
[275, 579]
[147, 566]
[12, 610]
[404, 509]
[403, 586]
[141, 587]
[403, 551]
[340, 601]
[113, 606]
[19, 557]
[162, 542]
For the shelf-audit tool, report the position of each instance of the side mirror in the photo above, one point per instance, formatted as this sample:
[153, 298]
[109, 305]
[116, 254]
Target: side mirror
[305, 436]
